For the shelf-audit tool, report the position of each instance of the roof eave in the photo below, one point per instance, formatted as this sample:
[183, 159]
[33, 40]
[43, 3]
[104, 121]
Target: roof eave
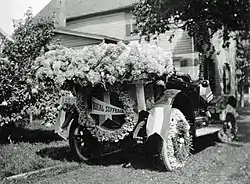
[5, 35]
[86, 35]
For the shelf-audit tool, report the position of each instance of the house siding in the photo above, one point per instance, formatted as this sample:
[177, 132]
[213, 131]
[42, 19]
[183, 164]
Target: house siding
[112, 25]
[74, 41]
[181, 43]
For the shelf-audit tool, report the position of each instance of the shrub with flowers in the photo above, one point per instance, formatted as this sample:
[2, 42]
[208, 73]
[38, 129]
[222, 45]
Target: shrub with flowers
[15, 95]
[106, 65]
[18, 92]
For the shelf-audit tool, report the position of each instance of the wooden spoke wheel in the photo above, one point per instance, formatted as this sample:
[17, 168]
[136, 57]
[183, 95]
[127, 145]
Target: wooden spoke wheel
[229, 130]
[175, 151]
[81, 142]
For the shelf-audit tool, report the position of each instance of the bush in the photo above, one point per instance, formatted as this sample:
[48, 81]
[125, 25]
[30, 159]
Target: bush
[17, 90]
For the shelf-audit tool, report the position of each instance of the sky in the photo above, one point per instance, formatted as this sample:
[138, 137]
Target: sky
[15, 9]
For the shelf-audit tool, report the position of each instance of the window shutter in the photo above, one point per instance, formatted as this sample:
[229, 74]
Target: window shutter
[128, 29]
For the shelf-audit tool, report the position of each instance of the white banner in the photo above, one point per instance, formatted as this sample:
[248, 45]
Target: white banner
[101, 108]
[68, 100]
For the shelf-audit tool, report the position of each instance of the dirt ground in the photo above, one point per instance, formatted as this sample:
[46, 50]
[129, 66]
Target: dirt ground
[211, 163]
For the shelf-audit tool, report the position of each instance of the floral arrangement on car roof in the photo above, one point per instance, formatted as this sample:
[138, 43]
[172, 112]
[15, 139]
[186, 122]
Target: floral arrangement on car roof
[108, 66]
[104, 64]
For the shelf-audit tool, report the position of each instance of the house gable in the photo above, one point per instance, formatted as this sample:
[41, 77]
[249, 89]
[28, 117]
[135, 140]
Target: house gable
[77, 8]
[4, 35]
[75, 39]
[112, 25]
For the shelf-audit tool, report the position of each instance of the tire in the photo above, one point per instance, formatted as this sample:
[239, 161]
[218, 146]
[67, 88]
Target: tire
[81, 142]
[229, 130]
[175, 151]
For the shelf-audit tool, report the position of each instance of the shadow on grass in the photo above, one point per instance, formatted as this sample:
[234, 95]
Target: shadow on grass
[134, 156]
[137, 157]
[244, 132]
[33, 136]
[57, 153]
[203, 142]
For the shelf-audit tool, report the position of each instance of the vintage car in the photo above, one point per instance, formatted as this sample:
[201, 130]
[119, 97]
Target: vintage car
[129, 94]
[168, 112]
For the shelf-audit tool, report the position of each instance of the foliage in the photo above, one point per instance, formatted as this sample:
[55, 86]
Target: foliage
[49, 104]
[30, 37]
[17, 90]
[201, 18]
[104, 64]
[242, 62]
[14, 92]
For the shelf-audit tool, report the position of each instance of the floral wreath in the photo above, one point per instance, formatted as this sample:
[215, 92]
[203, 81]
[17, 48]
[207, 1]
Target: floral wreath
[87, 121]
[178, 134]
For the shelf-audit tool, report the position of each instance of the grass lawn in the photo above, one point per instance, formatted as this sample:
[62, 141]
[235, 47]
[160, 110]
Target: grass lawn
[32, 148]
[210, 163]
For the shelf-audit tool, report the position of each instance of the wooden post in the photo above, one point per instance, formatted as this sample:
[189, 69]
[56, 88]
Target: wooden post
[140, 96]
[31, 117]
[248, 94]
[106, 99]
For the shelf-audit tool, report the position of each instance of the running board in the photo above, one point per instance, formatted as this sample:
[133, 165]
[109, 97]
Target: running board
[207, 130]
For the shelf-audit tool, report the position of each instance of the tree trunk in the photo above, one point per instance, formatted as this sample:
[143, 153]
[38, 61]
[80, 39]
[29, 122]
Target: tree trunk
[31, 117]
[201, 72]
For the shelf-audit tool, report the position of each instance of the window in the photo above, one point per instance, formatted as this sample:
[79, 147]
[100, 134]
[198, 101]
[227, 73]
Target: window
[196, 62]
[184, 62]
[129, 30]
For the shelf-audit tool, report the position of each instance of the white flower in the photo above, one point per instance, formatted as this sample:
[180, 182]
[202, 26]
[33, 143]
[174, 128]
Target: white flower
[4, 103]
[104, 63]
[56, 65]
[34, 91]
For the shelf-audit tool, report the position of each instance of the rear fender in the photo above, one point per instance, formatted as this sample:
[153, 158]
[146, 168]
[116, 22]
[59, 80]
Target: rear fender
[65, 119]
[157, 122]
[159, 116]
[63, 124]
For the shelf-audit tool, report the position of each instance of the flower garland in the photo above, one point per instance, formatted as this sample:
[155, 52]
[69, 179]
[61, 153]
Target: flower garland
[179, 140]
[87, 121]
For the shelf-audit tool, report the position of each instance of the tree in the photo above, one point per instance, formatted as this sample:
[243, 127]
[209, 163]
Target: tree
[31, 36]
[243, 62]
[201, 18]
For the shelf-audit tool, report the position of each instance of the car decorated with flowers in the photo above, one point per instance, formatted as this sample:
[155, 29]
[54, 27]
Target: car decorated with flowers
[124, 95]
